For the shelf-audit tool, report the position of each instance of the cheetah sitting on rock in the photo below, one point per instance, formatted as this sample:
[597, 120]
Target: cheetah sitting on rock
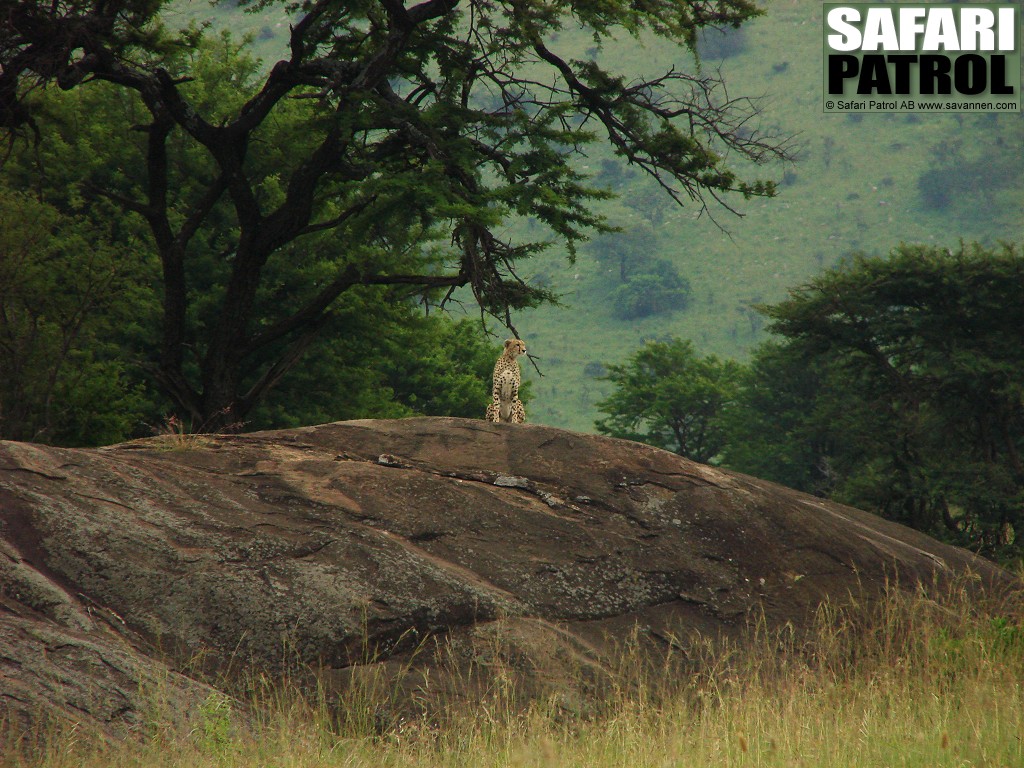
[505, 406]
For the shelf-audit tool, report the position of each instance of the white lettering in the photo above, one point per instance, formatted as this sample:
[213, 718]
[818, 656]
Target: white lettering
[922, 28]
[848, 38]
[976, 29]
[1007, 27]
[910, 28]
[880, 31]
[940, 31]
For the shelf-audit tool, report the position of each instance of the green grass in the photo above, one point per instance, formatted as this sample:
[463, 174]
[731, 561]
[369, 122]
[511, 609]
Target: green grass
[923, 679]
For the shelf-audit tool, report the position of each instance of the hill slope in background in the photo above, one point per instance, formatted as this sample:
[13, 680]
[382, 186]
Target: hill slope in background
[353, 545]
[858, 183]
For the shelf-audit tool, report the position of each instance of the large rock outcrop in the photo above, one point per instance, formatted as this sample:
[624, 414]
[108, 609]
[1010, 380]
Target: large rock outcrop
[124, 565]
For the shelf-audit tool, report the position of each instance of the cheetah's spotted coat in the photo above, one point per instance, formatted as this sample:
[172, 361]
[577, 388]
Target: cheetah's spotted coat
[506, 406]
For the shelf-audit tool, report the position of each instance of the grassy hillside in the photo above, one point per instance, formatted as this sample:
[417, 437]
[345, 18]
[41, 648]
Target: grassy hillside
[854, 186]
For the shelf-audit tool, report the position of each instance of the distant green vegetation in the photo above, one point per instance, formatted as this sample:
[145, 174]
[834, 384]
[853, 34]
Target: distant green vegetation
[668, 396]
[860, 183]
[922, 680]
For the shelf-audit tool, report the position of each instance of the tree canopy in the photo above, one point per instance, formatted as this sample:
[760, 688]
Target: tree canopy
[669, 396]
[63, 289]
[922, 394]
[386, 151]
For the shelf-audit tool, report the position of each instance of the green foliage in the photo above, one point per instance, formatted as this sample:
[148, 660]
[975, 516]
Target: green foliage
[909, 401]
[656, 290]
[379, 355]
[66, 296]
[718, 44]
[625, 253]
[645, 285]
[895, 386]
[775, 431]
[668, 396]
[384, 360]
[857, 190]
[216, 721]
[392, 147]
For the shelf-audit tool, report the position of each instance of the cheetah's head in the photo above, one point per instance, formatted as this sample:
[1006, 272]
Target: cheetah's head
[515, 347]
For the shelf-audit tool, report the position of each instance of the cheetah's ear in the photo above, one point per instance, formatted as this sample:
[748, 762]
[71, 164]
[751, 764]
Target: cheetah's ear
[509, 343]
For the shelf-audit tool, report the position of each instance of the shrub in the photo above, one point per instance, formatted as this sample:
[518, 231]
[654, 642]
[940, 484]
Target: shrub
[660, 289]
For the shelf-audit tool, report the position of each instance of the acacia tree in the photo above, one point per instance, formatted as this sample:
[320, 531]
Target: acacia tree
[918, 402]
[438, 119]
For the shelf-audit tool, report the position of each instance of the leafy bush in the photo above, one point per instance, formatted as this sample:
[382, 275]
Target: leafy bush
[668, 396]
[956, 176]
[656, 291]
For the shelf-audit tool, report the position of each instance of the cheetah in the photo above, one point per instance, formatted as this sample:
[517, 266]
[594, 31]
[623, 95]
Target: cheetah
[506, 407]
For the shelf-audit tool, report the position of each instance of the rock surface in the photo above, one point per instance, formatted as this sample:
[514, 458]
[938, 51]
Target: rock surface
[121, 566]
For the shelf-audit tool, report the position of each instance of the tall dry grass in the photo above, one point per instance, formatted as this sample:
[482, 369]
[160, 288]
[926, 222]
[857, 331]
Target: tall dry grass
[927, 678]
